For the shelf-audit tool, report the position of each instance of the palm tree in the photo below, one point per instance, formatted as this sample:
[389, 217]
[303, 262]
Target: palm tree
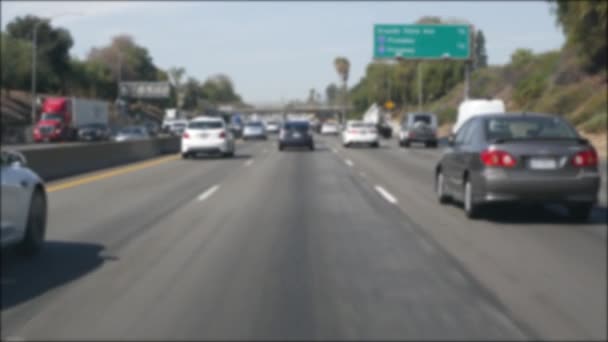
[342, 66]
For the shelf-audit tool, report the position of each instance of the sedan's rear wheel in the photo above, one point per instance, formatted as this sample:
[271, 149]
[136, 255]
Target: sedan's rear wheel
[440, 188]
[185, 155]
[36, 226]
[580, 212]
[471, 209]
[281, 147]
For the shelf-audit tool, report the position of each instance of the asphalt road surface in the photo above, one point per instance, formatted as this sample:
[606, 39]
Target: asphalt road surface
[330, 244]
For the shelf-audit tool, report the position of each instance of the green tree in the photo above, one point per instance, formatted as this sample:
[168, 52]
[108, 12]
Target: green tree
[16, 66]
[342, 66]
[53, 46]
[124, 54]
[331, 93]
[584, 24]
[480, 57]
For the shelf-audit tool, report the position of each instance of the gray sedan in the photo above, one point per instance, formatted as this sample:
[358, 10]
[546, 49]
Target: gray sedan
[518, 157]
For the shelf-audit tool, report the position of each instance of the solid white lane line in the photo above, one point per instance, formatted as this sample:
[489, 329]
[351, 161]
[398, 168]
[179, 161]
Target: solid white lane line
[387, 195]
[208, 193]
[349, 162]
[249, 162]
[333, 149]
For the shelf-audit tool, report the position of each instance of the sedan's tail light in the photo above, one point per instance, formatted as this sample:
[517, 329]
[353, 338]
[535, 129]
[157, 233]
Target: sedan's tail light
[222, 134]
[585, 158]
[411, 135]
[497, 158]
[353, 131]
[185, 135]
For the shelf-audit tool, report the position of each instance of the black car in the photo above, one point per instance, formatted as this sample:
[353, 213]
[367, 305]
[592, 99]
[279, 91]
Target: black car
[94, 132]
[296, 134]
[519, 157]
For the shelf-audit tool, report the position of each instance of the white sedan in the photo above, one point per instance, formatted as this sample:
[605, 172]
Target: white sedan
[24, 207]
[330, 128]
[359, 132]
[209, 135]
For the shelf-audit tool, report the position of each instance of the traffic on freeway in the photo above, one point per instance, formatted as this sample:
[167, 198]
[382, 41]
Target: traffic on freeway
[359, 214]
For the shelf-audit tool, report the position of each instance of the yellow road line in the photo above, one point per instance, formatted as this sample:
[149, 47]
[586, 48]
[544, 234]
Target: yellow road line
[108, 174]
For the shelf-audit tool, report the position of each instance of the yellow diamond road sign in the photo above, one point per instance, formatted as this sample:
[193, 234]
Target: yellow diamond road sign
[389, 105]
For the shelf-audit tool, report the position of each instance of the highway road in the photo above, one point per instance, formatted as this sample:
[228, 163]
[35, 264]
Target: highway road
[330, 244]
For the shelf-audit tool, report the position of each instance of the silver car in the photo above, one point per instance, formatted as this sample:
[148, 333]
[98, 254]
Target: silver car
[519, 157]
[24, 205]
[254, 130]
[132, 133]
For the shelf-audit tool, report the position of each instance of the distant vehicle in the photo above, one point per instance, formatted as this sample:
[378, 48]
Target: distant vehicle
[380, 118]
[132, 133]
[419, 127]
[360, 133]
[170, 114]
[177, 127]
[152, 127]
[62, 117]
[330, 128]
[296, 134]
[519, 158]
[206, 134]
[273, 127]
[94, 132]
[254, 130]
[24, 205]
[474, 107]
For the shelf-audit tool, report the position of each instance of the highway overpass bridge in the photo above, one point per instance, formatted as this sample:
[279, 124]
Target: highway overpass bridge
[285, 109]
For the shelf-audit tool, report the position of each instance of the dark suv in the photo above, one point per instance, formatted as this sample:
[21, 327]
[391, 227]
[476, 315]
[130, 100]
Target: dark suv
[296, 134]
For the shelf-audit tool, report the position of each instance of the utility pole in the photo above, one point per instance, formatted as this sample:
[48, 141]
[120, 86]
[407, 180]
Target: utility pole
[34, 42]
[419, 72]
[466, 79]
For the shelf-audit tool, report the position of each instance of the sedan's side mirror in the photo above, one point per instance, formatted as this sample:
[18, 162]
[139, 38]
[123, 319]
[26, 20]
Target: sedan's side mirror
[16, 159]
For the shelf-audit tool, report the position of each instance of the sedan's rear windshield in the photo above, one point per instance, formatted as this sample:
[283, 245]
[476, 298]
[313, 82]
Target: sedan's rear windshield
[297, 126]
[528, 128]
[423, 118]
[205, 125]
[254, 124]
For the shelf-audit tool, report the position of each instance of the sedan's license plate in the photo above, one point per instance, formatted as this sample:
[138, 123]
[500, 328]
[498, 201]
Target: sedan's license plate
[203, 135]
[297, 135]
[543, 163]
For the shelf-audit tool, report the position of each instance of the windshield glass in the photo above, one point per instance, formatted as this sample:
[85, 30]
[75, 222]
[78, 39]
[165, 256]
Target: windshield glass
[254, 124]
[528, 128]
[297, 126]
[51, 116]
[422, 118]
[205, 125]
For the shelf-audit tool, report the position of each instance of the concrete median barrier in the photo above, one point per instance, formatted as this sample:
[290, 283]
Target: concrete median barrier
[71, 159]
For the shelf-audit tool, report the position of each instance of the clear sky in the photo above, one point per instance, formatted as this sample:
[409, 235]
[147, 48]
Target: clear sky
[275, 50]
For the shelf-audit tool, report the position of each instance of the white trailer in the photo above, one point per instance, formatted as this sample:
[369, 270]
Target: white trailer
[85, 111]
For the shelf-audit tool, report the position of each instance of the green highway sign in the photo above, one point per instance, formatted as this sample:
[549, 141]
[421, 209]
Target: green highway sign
[422, 41]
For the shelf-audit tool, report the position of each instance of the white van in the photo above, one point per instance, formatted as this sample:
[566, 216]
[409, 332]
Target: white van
[475, 107]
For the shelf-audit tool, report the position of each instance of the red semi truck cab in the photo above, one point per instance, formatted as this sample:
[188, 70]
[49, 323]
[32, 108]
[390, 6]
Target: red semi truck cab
[55, 122]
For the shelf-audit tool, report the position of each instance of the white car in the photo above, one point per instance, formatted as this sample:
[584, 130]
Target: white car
[330, 128]
[209, 135]
[24, 207]
[359, 132]
[272, 127]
